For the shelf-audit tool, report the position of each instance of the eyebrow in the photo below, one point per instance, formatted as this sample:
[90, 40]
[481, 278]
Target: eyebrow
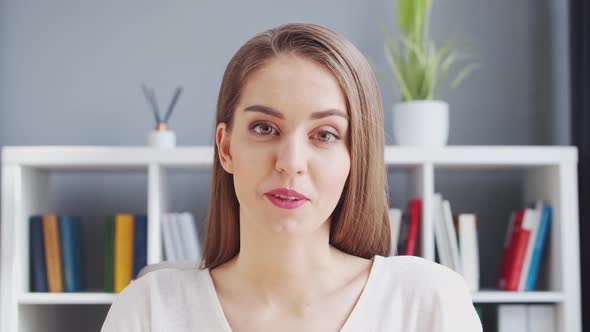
[314, 116]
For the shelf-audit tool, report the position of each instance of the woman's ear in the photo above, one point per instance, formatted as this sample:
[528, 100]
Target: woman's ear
[222, 139]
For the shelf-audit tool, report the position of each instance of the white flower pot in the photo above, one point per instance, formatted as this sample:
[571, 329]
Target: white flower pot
[423, 123]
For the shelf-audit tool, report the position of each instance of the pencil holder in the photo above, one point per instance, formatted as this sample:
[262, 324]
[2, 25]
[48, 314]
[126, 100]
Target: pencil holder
[162, 139]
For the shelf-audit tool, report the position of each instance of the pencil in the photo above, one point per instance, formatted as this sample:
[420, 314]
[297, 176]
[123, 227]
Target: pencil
[151, 98]
[173, 104]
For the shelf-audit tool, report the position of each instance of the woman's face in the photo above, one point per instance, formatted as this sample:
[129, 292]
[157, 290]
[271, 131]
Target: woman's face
[290, 130]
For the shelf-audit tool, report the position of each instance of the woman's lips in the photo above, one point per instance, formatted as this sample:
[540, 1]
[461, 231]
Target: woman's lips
[285, 203]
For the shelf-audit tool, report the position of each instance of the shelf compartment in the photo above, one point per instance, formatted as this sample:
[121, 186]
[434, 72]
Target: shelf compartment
[493, 195]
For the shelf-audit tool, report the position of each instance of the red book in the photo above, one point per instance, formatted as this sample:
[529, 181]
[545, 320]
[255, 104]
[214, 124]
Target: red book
[415, 208]
[514, 226]
[521, 242]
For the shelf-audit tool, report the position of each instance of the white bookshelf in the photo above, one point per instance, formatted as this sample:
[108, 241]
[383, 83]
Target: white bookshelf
[550, 174]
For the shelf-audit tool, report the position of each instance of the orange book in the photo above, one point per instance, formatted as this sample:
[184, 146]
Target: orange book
[52, 253]
[123, 251]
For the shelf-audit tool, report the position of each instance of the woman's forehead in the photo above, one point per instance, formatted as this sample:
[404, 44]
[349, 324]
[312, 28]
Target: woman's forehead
[287, 83]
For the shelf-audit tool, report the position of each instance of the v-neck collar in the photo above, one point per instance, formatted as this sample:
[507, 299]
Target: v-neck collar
[223, 322]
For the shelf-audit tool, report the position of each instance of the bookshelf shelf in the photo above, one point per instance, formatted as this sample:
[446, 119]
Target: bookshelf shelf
[493, 296]
[66, 298]
[549, 173]
[104, 298]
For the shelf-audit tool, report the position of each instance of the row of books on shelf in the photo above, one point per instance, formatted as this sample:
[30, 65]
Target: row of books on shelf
[524, 244]
[57, 252]
[180, 237]
[126, 245]
[125, 249]
[57, 262]
[56, 247]
[518, 317]
[457, 241]
[456, 236]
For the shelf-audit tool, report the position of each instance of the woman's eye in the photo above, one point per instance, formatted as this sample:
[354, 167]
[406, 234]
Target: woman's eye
[262, 129]
[327, 137]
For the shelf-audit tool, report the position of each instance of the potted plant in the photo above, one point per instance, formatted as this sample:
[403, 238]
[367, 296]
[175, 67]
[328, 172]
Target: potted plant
[421, 71]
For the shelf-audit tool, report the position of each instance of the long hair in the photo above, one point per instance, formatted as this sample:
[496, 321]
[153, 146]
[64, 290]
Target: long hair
[360, 221]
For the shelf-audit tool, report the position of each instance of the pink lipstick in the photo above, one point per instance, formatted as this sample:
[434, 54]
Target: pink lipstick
[286, 198]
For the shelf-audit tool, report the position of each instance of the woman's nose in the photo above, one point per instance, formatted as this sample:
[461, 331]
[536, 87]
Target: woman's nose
[291, 156]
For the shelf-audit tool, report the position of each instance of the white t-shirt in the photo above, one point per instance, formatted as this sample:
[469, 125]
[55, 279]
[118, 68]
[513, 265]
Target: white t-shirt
[402, 293]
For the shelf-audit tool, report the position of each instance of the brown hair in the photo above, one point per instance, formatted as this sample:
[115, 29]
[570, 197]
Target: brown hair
[360, 221]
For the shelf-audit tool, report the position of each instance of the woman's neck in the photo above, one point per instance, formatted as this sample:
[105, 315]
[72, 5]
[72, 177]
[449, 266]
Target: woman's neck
[279, 270]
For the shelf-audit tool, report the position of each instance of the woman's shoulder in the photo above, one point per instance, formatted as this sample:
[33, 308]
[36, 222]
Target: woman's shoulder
[439, 294]
[421, 275]
[169, 281]
[162, 291]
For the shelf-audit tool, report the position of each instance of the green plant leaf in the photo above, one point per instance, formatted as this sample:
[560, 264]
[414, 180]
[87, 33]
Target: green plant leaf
[440, 74]
[466, 71]
[405, 15]
[415, 66]
[415, 49]
[444, 67]
[431, 71]
[392, 56]
[412, 16]
[418, 66]
[422, 8]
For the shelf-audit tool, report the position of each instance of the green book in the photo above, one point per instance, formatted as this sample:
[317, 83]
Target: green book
[478, 309]
[109, 254]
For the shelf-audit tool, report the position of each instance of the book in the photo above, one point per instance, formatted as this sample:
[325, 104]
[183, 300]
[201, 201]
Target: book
[519, 250]
[109, 254]
[403, 233]
[526, 318]
[139, 243]
[512, 318]
[540, 241]
[123, 251]
[479, 310]
[167, 237]
[469, 249]
[52, 253]
[37, 262]
[177, 243]
[79, 255]
[395, 220]
[451, 236]
[415, 208]
[541, 318]
[513, 227]
[190, 239]
[535, 221]
[70, 233]
[440, 233]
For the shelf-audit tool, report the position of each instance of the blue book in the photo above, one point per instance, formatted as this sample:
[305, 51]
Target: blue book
[538, 248]
[139, 243]
[37, 247]
[80, 276]
[70, 233]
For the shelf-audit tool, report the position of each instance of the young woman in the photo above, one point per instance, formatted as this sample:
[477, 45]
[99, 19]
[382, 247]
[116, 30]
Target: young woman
[298, 236]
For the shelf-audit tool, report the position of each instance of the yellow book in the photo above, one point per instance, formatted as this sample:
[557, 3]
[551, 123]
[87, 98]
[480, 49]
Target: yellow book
[123, 251]
[52, 253]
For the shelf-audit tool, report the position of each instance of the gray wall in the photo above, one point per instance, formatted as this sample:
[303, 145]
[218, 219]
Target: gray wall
[70, 73]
